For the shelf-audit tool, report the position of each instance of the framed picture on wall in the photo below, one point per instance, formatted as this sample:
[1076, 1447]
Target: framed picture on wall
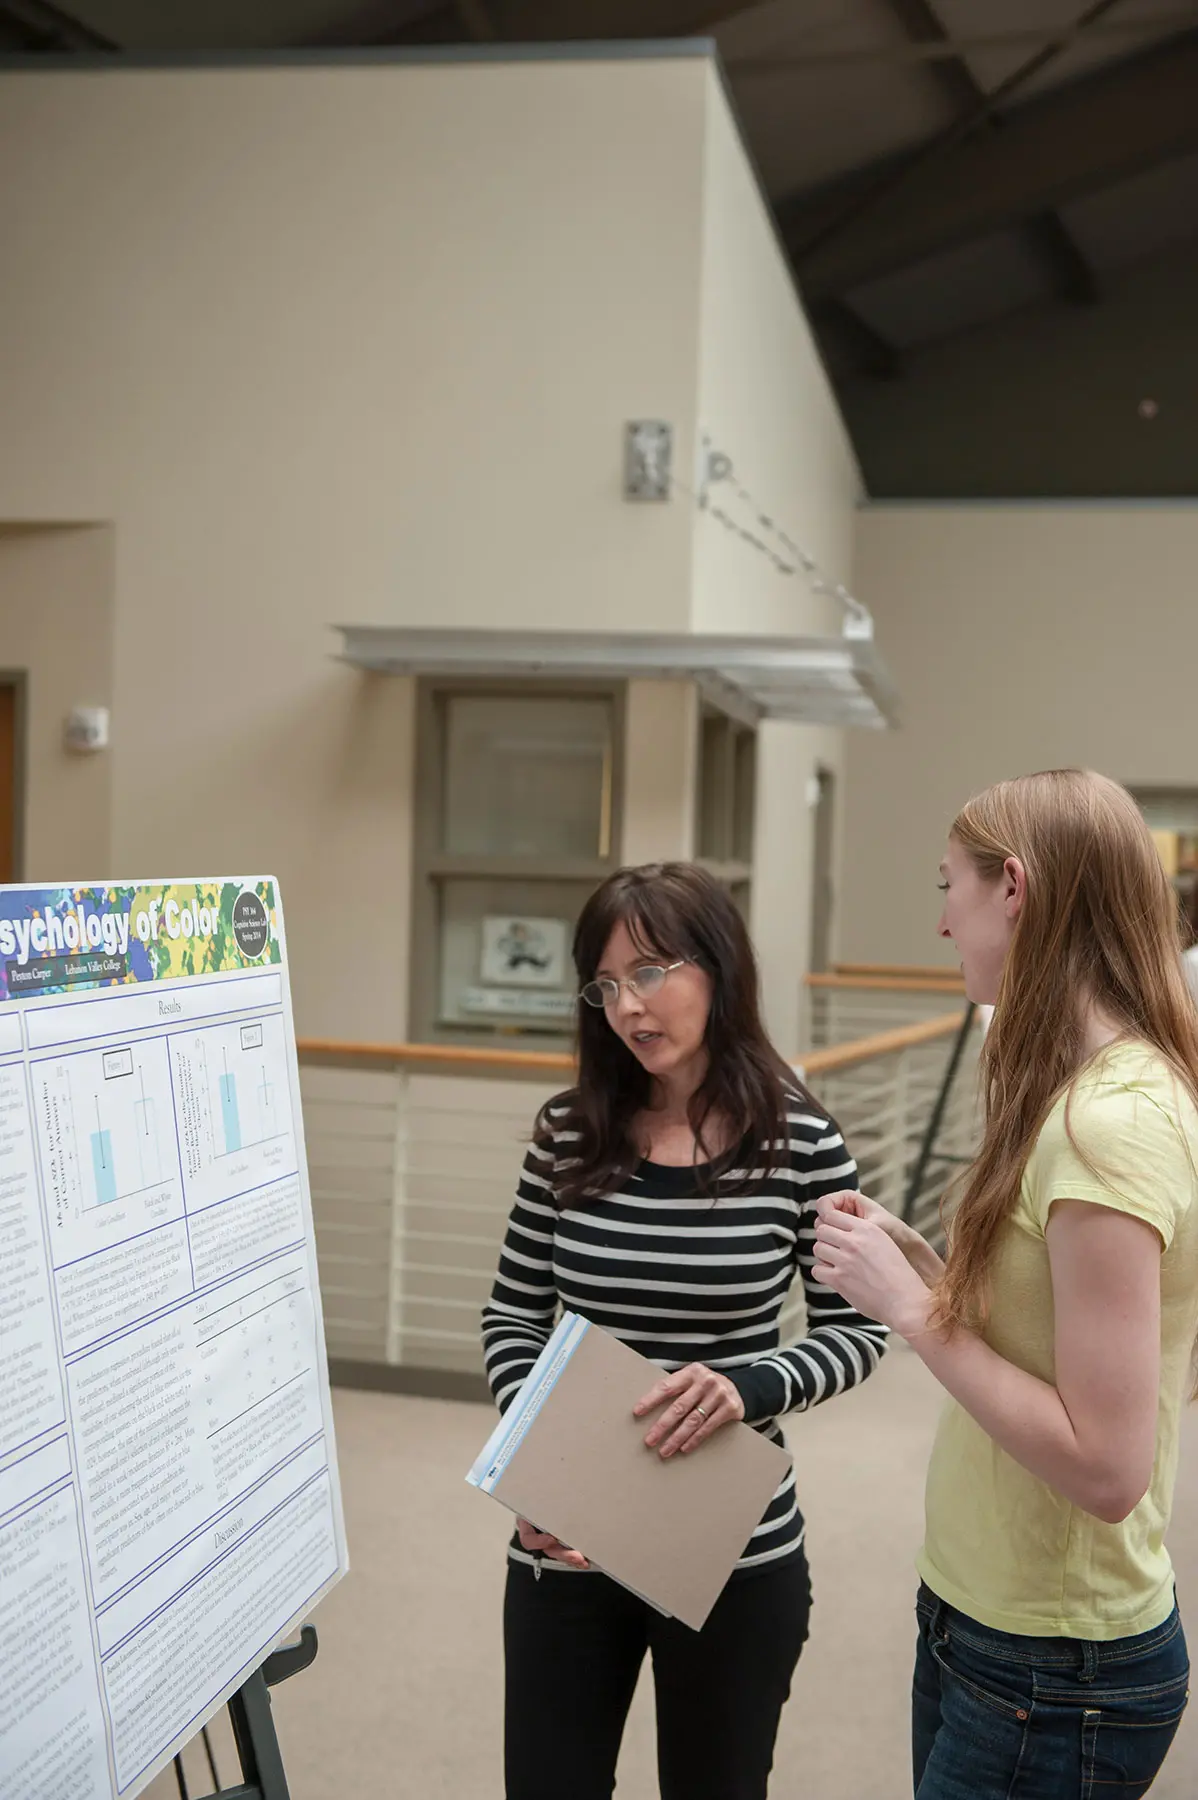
[519, 951]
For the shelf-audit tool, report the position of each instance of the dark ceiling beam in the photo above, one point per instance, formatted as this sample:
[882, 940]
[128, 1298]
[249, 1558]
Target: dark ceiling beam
[1129, 34]
[1046, 235]
[1070, 270]
[852, 344]
[573, 21]
[477, 19]
[1089, 135]
[898, 174]
[381, 22]
[579, 20]
[952, 73]
[442, 22]
[45, 27]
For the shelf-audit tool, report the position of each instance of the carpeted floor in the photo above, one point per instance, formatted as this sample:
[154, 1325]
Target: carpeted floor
[403, 1702]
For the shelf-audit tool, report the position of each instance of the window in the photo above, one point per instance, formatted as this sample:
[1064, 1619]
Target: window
[517, 804]
[727, 793]
[527, 776]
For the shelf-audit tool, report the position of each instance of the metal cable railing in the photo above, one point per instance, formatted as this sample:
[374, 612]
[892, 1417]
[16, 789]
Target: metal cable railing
[414, 1153]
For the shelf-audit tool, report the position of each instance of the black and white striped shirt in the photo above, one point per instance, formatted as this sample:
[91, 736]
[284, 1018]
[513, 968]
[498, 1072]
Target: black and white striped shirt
[683, 1278]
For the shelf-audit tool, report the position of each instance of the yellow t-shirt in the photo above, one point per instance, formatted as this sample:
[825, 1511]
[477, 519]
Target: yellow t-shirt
[1001, 1545]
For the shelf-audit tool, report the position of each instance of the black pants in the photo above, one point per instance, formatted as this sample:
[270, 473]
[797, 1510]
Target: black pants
[575, 1644]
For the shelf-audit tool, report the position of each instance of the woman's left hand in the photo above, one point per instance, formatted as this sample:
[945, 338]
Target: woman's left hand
[861, 1263]
[697, 1402]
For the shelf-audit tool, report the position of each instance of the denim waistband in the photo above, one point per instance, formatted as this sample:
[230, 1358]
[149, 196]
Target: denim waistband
[1043, 1652]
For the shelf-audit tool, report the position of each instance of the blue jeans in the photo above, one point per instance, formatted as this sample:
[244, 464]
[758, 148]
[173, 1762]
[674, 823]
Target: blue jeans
[1000, 1717]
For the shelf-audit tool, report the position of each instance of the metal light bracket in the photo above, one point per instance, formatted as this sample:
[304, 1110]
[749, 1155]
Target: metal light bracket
[648, 459]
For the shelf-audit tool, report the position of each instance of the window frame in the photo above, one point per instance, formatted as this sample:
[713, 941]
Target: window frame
[727, 852]
[432, 866]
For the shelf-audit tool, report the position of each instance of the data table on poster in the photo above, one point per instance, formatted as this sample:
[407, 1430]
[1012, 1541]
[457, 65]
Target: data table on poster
[169, 1503]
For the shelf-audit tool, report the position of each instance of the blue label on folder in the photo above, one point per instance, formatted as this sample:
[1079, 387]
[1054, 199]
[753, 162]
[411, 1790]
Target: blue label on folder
[542, 1378]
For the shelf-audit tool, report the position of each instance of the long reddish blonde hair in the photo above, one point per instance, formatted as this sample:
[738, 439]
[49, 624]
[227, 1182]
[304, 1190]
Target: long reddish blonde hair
[1100, 922]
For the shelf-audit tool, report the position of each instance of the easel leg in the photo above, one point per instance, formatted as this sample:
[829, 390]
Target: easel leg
[212, 1769]
[257, 1742]
[252, 1719]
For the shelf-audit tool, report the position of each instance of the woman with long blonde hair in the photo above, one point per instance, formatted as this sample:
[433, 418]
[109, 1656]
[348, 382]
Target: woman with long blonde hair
[1051, 1661]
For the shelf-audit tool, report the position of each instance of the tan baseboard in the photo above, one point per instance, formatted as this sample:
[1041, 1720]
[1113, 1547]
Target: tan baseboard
[427, 1384]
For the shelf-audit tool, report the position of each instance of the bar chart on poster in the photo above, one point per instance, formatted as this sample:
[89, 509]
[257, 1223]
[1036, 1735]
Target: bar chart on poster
[169, 1505]
[234, 1082]
[102, 1115]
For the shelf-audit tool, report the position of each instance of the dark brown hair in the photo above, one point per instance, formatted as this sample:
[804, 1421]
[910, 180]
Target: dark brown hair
[671, 910]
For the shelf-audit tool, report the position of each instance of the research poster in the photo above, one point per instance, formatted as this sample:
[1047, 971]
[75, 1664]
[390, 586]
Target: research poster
[169, 1502]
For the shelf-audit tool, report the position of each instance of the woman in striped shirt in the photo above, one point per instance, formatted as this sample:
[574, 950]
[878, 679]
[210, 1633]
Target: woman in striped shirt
[671, 1198]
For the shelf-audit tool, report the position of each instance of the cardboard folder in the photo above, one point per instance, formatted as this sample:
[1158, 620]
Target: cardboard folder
[569, 1455]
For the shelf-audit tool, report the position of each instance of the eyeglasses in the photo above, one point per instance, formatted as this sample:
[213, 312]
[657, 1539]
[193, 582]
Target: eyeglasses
[644, 984]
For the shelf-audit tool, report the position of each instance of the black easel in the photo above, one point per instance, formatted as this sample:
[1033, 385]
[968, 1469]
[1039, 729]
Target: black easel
[262, 1773]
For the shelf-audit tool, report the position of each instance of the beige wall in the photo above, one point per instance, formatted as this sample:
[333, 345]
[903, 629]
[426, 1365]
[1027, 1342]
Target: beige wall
[336, 344]
[56, 631]
[358, 344]
[1021, 638]
[377, 329]
[765, 400]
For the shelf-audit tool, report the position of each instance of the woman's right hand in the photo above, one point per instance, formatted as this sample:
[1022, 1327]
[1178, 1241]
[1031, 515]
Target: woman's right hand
[862, 1207]
[541, 1543]
[917, 1250]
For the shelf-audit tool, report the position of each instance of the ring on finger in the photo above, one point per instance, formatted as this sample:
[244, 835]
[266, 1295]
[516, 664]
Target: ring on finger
[701, 1413]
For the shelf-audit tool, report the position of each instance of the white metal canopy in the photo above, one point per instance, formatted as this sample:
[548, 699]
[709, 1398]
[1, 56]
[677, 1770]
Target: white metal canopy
[816, 681]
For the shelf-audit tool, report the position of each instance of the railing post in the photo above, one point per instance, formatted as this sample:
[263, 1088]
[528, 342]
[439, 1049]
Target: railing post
[897, 1159]
[399, 1209]
[902, 1124]
[936, 1117]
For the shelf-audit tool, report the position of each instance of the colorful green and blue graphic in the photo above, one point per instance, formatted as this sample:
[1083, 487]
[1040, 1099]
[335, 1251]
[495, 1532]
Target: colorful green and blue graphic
[62, 939]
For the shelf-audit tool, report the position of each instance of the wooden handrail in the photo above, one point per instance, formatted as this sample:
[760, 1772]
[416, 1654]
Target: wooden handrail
[882, 1043]
[529, 1062]
[455, 1056]
[946, 983]
[914, 971]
